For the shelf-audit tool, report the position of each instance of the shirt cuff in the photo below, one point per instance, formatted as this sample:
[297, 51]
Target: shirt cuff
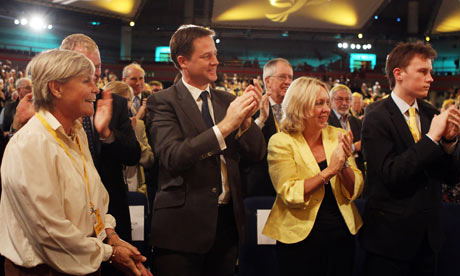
[220, 138]
[108, 250]
[259, 123]
[109, 139]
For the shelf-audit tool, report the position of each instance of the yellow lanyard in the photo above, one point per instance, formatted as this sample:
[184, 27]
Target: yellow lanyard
[64, 147]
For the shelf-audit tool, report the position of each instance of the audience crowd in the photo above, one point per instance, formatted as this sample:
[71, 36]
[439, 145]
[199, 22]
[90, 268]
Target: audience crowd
[196, 149]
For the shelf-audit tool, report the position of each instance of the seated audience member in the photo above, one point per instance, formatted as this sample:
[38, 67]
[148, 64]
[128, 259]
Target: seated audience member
[53, 210]
[134, 175]
[410, 151]
[340, 116]
[313, 219]
[24, 87]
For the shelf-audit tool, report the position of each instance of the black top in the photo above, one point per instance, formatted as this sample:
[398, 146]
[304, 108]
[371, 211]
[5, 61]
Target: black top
[329, 215]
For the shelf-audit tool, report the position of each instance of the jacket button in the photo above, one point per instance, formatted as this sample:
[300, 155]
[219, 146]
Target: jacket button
[209, 154]
[214, 190]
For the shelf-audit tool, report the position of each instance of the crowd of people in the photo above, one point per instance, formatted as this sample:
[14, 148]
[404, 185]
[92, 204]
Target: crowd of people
[76, 140]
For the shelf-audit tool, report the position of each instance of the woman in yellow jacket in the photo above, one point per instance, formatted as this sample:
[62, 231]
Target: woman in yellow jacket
[316, 179]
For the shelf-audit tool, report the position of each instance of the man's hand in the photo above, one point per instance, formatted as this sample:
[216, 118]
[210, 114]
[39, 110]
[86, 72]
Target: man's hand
[24, 111]
[238, 110]
[103, 115]
[453, 124]
[141, 113]
[264, 108]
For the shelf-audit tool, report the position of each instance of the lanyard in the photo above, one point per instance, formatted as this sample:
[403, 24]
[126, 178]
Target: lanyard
[64, 147]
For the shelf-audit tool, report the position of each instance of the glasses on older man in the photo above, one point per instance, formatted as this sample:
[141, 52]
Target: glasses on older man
[283, 77]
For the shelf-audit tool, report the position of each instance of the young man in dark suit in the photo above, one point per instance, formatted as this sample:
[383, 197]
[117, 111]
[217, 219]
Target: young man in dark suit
[198, 135]
[410, 151]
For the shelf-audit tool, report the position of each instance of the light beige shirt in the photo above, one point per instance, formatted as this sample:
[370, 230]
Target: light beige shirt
[44, 209]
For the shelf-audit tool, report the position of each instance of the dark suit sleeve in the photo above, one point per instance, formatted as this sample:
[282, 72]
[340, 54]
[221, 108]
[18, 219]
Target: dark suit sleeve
[252, 143]
[396, 166]
[177, 150]
[125, 148]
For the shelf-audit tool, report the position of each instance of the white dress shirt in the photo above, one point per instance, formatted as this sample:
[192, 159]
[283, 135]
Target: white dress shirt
[45, 204]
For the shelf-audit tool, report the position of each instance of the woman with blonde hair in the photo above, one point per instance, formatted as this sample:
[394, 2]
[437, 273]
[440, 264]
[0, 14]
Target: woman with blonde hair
[316, 179]
[53, 209]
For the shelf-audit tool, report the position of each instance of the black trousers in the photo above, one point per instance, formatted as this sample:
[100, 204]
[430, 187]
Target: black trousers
[219, 261]
[327, 251]
[423, 264]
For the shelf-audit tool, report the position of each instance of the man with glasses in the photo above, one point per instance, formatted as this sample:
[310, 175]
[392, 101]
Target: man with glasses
[23, 87]
[340, 116]
[277, 76]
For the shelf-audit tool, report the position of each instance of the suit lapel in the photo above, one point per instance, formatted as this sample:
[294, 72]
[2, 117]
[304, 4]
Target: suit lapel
[399, 122]
[305, 151]
[189, 107]
[425, 119]
[333, 120]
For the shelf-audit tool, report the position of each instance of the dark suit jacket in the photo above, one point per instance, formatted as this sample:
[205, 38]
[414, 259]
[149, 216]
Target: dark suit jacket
[125, 150]
[404, 178]
[186, 203]
[255, 174]
[8, 114]
[355, 125]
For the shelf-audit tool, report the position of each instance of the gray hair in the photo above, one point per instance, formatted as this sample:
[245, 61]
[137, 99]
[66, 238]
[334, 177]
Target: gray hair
[20, 81]
[55, 65]
[270, 67]
[131, 66]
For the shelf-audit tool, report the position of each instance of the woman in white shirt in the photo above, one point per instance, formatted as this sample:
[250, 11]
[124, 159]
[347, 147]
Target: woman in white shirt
[53, 210]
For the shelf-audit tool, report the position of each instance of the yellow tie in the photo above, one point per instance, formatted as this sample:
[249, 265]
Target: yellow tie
[413, 124]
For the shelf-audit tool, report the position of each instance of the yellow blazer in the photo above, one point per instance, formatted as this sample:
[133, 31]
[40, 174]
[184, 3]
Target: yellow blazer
[290, 162]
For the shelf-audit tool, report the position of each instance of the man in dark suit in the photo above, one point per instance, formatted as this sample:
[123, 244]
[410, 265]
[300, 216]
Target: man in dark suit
[277, 76]
[409, 152]
[7, 116]
[112, 145]
[340, 116]
[134, 75]
[198, 135]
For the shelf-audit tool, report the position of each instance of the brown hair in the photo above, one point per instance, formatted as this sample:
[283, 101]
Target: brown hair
[181, 43]
[403, 53]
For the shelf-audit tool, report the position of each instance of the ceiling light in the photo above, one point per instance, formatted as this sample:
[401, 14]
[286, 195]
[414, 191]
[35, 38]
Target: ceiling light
[352, 46]
[339, 45]
[132, 23]
[360, 35]
[16, 21]
[358, 46]
[345, 45]
[24, 21]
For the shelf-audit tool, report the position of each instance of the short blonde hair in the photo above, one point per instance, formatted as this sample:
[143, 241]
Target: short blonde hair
[120, 88]
[299, 102]
[82, 40]
[356, 94]
[55, 65]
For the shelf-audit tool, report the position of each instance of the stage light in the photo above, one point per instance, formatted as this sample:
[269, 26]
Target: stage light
[37, 23]
[398, 19]
[376, 17]
[132, 23]
[345, 45]
[364, 47]
[217, 41]
[369, 46]
[24, 21]
[50, 27]
[352, 46]
[340, 45]
[360, 35]
[427, 38]
[358, 46]
[16, 21]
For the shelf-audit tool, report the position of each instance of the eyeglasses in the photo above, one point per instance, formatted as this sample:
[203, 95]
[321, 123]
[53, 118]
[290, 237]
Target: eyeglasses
[283, 77]
[340, 99]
